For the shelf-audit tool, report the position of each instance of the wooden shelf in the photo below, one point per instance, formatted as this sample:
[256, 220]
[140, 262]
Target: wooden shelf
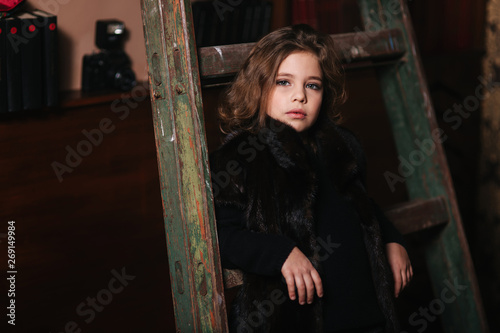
[78, 98]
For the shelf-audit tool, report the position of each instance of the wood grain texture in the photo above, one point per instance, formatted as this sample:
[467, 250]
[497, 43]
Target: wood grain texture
[488, 223]
[418, 215]
[226, 60]
[195, 271]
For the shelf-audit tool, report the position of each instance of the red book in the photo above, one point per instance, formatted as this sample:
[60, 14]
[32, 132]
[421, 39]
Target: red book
[8, 5]
[50, 80]
[30, 49]
[3, 67]
[13, 61]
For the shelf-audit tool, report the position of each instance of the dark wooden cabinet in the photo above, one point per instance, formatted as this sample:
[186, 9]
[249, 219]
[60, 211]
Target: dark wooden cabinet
[90, 243]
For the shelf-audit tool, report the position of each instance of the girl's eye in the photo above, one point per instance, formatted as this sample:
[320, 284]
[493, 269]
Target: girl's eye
[282, 83]
[313, 86]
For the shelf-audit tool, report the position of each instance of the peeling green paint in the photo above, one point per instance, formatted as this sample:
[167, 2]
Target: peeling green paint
[183, 166]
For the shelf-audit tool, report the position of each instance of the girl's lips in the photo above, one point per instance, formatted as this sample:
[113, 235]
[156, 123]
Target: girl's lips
[296, 114]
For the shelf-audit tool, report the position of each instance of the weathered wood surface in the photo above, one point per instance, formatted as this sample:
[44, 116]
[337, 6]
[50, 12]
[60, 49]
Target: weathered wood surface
[232, 278]
[195, 272]
[486, 226]
[418, 139]
[226, 60]
[418, 215]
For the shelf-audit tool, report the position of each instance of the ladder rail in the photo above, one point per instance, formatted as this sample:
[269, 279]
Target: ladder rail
[175, 91]
[412, 118]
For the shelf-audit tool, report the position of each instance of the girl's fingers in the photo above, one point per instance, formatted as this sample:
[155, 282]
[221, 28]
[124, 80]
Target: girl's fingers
[317, 283]
[301, 289]
[309, 286]
[400, 264]
[404, 279]
[406, 276]
[301, 277]
[290, 283]
[397, 282]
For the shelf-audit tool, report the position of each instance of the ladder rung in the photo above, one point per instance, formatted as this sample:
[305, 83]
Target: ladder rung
[225, 60]
[232, 278]
[418, 215]
[407, 218]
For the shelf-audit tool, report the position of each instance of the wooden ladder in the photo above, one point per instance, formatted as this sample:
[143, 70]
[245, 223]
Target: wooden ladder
[175, 70]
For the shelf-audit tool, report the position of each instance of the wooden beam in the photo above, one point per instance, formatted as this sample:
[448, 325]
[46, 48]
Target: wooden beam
[418, 215]
[232, 278]
[225, 60]
[174, 83]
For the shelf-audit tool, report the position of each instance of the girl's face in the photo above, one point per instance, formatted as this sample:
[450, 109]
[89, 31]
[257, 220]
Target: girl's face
[298, 92]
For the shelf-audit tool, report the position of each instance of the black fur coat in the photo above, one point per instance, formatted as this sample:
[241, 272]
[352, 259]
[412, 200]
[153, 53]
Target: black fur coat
[270, 176]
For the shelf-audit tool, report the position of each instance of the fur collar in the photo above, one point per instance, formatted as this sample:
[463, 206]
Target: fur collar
[253, 170]
[338, 147]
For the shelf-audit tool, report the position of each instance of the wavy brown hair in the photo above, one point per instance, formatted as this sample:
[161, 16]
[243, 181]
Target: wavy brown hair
[244, 104]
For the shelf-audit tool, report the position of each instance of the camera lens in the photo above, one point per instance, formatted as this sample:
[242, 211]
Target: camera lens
[124, 79]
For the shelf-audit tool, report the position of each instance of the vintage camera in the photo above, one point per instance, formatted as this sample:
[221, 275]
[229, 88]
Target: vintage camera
[111, 67]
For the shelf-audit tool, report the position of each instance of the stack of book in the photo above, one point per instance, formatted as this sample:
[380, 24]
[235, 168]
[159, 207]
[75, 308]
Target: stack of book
[223, 22]
[28, 61]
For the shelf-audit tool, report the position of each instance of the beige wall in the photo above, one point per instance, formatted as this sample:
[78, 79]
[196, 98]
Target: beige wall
[76, 20]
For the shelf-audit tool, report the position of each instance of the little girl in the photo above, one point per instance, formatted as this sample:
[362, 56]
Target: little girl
[317, 254]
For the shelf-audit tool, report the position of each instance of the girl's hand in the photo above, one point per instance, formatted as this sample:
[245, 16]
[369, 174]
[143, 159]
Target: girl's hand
[400, 266]
[299, 273]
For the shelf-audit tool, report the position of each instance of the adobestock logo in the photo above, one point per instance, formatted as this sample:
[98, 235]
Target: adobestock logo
[324, 249]
[415, 158]
[436, 307]
[84, 148]
[53, 6]
[265, 309]
[95, 137]
[426, 147]
[26, 32]
[92, 305]
[372, 29]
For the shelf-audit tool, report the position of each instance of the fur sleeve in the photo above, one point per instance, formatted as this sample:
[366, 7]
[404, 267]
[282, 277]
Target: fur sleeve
[228, 173]
[356, 150]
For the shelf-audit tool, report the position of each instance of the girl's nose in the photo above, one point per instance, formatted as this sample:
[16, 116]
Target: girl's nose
[299, 95]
